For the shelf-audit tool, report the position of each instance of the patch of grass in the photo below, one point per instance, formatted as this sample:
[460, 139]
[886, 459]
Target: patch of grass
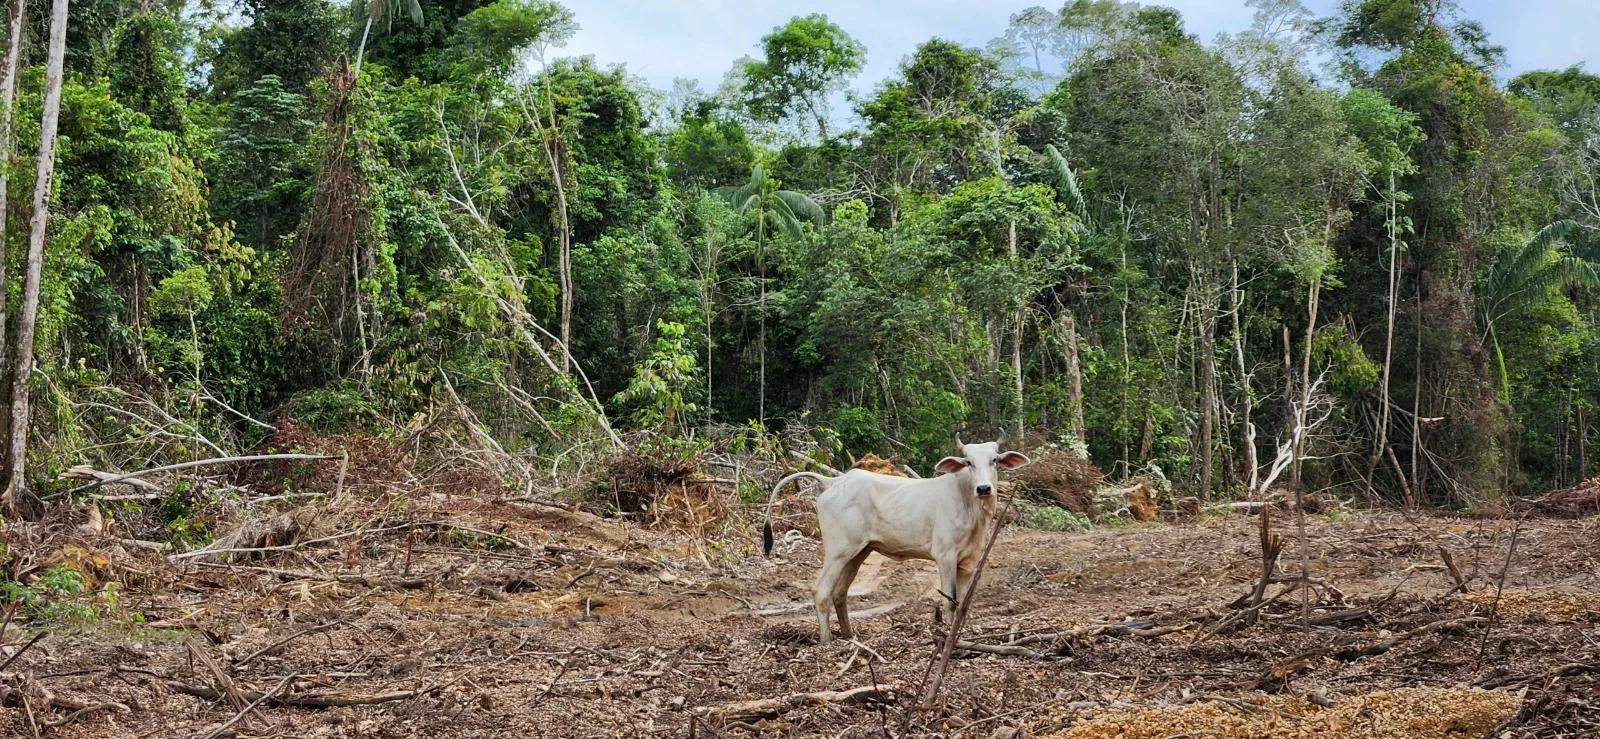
[1049, 518]
[751, 492]
[1336, 515]
[61, 596]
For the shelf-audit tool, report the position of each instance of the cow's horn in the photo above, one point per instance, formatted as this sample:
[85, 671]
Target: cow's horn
[1002, 440]
[959, 446]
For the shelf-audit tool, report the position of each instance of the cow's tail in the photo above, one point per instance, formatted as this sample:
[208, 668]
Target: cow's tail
[766, 525]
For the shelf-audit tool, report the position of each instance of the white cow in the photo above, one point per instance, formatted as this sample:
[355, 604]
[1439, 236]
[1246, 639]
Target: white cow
[941, 519]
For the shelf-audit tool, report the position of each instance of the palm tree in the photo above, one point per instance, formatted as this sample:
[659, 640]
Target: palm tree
[1520, 279]
[783, 210]
[386, 9]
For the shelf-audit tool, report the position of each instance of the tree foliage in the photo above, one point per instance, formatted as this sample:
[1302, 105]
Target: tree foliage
[243, 229]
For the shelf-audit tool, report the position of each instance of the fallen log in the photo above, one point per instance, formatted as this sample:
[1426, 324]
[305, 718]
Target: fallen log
[1276, 677]
[327, 699]
[1005, 650]
[772, 707]
[126, 476]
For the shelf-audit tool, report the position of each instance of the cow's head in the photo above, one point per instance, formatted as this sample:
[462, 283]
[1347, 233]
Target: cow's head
[982, 461]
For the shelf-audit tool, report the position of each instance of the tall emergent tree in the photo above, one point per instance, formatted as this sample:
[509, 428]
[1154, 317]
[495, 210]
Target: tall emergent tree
[807, 60]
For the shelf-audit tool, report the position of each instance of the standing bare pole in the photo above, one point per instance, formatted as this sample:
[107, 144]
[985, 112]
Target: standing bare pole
[28, 312]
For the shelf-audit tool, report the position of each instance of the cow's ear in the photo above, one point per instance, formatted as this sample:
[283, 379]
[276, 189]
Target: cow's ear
[951, 465]
[1011, 460]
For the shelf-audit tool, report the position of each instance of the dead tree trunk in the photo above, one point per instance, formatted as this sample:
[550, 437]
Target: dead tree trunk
[28, 311]
[1299, 453]
[1583, 434]
[1248, 401]
[1290, 418]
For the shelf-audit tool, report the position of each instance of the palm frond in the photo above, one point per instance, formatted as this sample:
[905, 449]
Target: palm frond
[414, 10]
[1067, 183]
[1528, 274]
[1547, 236]
[801, 206]
[387, 10]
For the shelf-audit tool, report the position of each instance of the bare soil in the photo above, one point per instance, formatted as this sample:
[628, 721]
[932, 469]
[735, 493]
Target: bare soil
[480, 618]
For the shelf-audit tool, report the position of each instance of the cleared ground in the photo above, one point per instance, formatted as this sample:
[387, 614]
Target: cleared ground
[472, 618]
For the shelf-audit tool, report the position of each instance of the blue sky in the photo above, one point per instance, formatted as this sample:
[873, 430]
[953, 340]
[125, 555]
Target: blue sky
[660, 40]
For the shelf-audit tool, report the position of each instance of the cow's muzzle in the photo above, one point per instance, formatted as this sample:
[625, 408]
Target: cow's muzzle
[984, 491]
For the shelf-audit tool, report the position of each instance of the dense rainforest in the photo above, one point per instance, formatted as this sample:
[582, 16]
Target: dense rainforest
[1345, 253]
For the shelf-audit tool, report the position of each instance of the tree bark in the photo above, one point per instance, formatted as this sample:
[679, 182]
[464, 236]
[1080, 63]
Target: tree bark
[22, 356]
[708, 279]
[8, 96]
[1303, 415]
[361, 51]
[1016, 348]
[1208, 397]
[761, 269]
[1416, 409]
[556, 157]
[1583, 434]
[1303, 412]
[1075, 370]
[1248, 401]
[1290, 417]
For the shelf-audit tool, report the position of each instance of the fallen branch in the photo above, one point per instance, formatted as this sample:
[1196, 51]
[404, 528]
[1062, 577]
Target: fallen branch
[307, 700]
[960, 616]
[406, 583]
[85, 472]
[296, 635]
[1499, 589]
[1277, 677]
[187, 465]
[31, 642]
[1376, 648]
[280, 547]
[81, 712]
[821, 466]
[773, 707]
[247, 709]
[1000, 649]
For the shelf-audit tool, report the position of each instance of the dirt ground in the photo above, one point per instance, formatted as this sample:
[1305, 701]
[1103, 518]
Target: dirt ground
[479, 618]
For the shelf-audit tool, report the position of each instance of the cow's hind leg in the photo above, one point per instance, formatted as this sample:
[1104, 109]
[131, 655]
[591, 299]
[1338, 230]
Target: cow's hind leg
[833, 566]
[841, 592]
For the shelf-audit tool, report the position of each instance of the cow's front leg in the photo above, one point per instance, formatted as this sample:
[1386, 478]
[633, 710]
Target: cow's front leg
[948, 592]
[963, 583]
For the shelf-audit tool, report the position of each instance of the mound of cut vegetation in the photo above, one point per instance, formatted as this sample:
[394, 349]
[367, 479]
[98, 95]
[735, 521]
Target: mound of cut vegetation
[1062, 478]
